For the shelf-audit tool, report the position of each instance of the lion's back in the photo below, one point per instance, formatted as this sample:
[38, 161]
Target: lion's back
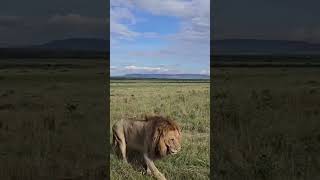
[134, 132]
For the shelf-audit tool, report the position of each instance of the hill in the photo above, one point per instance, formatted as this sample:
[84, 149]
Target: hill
[66, 48]
[163, 76]
[263, 47]
[84, 44]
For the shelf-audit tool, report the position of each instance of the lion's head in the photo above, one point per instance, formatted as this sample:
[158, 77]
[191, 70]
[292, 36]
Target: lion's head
[166, 137]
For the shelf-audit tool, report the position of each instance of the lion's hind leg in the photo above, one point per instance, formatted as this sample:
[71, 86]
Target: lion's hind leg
[120, 143]
[114, 145]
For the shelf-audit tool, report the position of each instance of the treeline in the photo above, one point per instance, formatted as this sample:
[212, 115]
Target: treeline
[41, 66]
[311, 65]
[265, 61]
[267, 58]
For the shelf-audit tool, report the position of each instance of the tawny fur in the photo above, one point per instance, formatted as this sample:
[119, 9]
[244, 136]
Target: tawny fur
[155, 137]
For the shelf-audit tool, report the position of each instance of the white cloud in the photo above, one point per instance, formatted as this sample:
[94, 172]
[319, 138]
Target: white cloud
[121, 31]
[147, 69]
[166, 7]
[120, 19]
[120, 70]
[113, 67]
[205, 71]
[195, 14]
[163, 53]
[191, 42]
[124, 3]
[150, 35]
[193, 38]
[122, 13]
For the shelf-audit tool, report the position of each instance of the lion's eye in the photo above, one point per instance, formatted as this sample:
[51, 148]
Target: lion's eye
[172, 139]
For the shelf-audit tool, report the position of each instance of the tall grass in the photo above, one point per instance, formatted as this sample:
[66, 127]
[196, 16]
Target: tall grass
[266, 123]
[188, 103]
[51, 122]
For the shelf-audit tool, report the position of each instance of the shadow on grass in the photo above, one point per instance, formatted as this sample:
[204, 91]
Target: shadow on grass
[135, 159]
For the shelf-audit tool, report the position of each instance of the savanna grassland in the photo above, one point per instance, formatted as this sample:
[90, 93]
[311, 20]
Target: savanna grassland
[52, 119]
[266, 123]
[186, 101]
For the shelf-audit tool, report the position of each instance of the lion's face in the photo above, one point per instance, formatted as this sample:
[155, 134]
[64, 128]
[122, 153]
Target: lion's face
[172, 141]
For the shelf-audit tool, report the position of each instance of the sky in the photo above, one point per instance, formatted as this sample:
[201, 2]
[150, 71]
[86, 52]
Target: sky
[39, 21]
[159, 36]
[162, 34]
[266, 19]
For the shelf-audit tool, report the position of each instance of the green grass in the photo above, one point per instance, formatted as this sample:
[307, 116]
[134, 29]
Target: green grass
[188, 103]
[266, 123]
[51, 123]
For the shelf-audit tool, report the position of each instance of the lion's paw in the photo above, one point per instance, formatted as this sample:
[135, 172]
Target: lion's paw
[160, 177]
[149, 172]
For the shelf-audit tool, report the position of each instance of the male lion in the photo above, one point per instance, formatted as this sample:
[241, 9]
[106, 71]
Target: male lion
[155, 137]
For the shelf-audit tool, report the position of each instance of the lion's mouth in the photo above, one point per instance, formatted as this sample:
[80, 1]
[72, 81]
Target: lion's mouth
[171, 151]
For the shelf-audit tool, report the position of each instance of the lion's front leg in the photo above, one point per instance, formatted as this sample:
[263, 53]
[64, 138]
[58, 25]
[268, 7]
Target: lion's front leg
[152, 169]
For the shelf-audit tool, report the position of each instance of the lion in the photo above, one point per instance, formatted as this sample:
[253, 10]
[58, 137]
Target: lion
[155, 137]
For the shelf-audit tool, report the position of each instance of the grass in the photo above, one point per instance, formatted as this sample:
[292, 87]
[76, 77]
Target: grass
[266, 123]
[50, 119]
[186, 102]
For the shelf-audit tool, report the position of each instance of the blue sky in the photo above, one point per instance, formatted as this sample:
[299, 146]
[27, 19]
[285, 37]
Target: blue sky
[160, 36]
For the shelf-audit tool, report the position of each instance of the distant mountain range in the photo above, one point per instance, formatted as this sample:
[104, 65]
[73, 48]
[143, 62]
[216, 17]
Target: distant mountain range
[84, 44]
[223, 46]
[90, 47]
[66, 48]
[263, 47]
[164, 76]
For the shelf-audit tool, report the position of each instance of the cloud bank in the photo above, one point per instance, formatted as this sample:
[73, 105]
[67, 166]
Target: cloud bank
[19, 30]
[190, 43]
